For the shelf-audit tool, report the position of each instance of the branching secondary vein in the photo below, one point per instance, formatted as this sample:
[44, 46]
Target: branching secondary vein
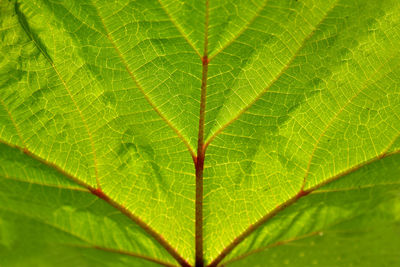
[302, 193]
[100, 194]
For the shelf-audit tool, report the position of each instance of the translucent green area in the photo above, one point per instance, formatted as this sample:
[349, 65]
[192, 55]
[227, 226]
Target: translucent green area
[106, 94]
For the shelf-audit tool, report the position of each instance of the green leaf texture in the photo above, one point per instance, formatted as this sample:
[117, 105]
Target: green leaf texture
[100, 107]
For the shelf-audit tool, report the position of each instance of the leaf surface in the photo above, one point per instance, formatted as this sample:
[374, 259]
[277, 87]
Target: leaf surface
[108, 109]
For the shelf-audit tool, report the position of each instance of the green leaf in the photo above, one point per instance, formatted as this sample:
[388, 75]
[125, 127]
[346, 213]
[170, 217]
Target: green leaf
[360, 241]
[199, 132]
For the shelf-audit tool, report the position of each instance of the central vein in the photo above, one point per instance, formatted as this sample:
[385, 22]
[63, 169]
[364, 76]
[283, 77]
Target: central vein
[199, 161]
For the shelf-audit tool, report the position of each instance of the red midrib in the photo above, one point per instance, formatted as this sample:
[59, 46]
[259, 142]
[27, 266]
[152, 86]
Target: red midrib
[201, 151]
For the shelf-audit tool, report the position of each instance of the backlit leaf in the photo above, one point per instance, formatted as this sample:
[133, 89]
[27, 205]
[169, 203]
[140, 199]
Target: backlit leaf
[112, 113]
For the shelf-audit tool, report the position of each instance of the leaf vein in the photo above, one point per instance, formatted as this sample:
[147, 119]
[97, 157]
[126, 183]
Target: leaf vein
[289, 203]
[273, 81]
[125, 63]
[101, 195]
[178, 27]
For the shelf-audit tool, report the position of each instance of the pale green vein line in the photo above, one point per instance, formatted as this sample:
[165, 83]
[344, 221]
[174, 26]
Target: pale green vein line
[273, 81]
[353, 188]
[123, 252]
[178, 27]
[125, 63]
[44, 184]
[244, 28]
